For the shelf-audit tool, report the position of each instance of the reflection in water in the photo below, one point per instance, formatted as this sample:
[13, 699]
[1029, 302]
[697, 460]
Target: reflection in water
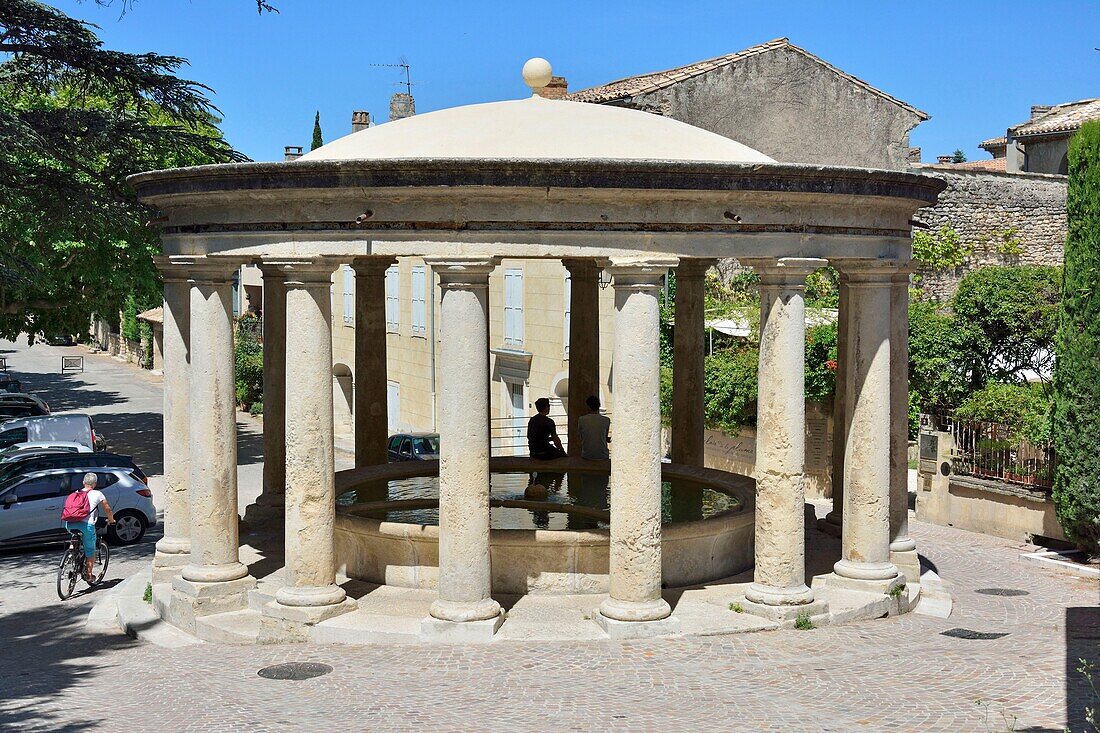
[680, 502]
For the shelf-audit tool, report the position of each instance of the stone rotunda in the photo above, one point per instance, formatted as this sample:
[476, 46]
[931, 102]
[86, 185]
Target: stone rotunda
[599, 188]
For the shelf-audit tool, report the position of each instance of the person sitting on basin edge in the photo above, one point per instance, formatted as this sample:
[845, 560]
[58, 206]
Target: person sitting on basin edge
[542, 434]
[595, 431]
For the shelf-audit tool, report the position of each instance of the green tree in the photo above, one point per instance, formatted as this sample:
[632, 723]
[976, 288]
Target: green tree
[318, 141]
[937, 380]
[1077, 344]
[958, 156]
[76, 119]
[1006, 318]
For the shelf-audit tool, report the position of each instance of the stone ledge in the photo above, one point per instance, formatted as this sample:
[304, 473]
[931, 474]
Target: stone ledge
[437, 631]
[616, 629]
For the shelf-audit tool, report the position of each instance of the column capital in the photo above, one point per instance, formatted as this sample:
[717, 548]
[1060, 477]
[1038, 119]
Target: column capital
[372, 265]
[463, 273]
[175, 268]
[694, 266]
[302, 271]
[580, 266]
[783, 270]
[639, 273]
[857, 272]
[215, 270]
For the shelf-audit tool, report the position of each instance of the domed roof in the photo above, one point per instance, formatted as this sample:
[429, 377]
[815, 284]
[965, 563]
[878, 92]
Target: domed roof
[538, 128]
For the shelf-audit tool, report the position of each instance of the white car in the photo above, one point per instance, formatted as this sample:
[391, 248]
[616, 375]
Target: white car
[52, 428]
[19, 451]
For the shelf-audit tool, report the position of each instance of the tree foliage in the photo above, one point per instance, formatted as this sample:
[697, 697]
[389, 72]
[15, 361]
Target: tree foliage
[958, 156]
[1077, 344]
[942, 249]
[76, 120]
[318, 140]
[1023, 408]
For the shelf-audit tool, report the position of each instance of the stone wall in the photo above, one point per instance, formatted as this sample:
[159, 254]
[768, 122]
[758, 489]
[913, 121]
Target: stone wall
[981, 205]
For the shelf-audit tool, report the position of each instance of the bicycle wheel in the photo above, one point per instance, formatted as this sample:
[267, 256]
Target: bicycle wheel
[102, 557]
[67, 572]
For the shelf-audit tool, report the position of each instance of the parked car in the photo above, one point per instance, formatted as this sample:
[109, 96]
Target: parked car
[68, 428]
[414, 447]
[20, 404]
[23, 451]
[10, 384]
[24, 462]
[30, 506]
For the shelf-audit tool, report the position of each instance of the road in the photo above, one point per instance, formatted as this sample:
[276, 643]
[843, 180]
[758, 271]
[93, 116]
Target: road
[898, 674]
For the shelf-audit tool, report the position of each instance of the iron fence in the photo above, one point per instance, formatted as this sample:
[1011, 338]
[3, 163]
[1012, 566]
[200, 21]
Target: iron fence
[994, 451]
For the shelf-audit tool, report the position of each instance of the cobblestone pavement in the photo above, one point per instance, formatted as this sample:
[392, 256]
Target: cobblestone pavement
[899, 674]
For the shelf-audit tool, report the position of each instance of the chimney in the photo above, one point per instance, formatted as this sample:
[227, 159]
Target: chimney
[1039, 109]
[556, 89]
[914, 155]
[360, 120]
[945, 159]
[401, 106]
[292, 152]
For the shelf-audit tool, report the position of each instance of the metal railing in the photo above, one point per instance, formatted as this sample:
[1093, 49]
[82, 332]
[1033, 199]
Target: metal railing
[995, 451]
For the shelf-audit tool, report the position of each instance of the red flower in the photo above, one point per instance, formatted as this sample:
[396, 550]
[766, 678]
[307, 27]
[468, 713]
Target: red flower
[831, 365]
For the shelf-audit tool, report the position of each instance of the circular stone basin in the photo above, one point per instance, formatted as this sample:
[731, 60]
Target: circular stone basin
[552, 542]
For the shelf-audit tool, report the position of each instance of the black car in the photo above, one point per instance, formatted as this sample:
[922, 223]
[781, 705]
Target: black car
[10, 384]
[13, 405]
[65, 459]
[414, 447]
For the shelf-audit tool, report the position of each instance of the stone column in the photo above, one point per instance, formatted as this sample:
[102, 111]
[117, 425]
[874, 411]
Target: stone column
[215, 580]
[865, 537]
[687, 363]
[903, 550]
[465, 609]
[174, 548]
[309, 594]
[832, 522]
[371, 419]
[779, 589]
[269, 506]
[635, 553]
[584, 342]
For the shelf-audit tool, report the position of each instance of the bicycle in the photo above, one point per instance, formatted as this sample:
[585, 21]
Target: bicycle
[71, 567]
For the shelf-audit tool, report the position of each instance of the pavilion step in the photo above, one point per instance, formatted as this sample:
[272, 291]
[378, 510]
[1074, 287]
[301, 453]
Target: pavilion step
[232, 627]
[361, 627]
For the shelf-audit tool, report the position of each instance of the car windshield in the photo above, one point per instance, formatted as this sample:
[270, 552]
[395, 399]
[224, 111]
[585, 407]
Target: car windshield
[428, 444]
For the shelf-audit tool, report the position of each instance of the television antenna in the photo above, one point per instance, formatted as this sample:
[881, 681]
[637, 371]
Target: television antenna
[402, 64]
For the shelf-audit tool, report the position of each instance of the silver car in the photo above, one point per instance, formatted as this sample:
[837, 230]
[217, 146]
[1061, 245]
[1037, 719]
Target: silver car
[30, 504]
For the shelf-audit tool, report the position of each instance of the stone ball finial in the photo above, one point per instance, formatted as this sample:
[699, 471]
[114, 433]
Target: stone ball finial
[537, 73]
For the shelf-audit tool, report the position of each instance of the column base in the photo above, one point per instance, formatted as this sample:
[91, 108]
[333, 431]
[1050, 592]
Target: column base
[786, 614]
[280, 623]
[214, 573]
[167, 565]
[865, 585]
[635, 611]
[438, 631]
[310, 596]
[908, 563]
[265, 513]
[464, 611]
[191, 600]
[830, 524]
[618, 629]
[767, 595]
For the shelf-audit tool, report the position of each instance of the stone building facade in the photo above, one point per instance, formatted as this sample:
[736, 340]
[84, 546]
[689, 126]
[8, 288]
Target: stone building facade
[1005, 218]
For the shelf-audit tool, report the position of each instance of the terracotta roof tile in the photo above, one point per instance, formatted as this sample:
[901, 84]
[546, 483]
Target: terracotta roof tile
[993, 142]
[654, 81]
[1060, 118]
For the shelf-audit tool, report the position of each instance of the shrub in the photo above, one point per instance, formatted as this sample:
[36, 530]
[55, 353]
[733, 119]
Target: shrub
[936, 378]
[1077, 343]
[249, 368]
[940, 250]
[129, 326]
[256, 408]
[1025, 409]
[730, 391]
[821, 362]
[803, 622]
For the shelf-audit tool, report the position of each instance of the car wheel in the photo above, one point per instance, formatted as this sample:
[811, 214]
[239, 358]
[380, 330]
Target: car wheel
[129, 527]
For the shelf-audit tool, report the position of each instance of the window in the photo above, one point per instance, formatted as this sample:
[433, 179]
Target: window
[407, 447]
[105, 479]
[349, 295]
[395, 443]
[393, 301]
[418, 309]
[44, 487]
[568, 302]
[13, 436]
[513, 308]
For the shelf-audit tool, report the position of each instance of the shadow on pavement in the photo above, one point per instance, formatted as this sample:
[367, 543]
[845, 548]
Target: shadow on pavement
[1082, 645]
[136, 434]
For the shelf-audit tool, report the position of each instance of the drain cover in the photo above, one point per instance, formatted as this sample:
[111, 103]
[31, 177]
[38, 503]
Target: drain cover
[294, 671]
[1002, 592]
[971, 634]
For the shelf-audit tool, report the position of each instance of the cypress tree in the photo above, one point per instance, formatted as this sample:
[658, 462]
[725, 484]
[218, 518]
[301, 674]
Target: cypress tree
[317, 141]
[1076, 426]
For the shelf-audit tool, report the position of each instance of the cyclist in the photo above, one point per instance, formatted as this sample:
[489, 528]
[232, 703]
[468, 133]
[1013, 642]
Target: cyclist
[86, 527]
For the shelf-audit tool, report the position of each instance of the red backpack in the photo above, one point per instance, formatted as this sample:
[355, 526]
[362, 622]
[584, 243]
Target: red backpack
[77, 506]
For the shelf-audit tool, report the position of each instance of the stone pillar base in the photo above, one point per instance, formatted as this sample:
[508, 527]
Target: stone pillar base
[617, 629]
[908, 564]
[168, 565]
[280, 624]
[437, 631]
[262, 514]
[830, 525]
[635, 611]
[883, 586]
[785, 614]
[191, 600]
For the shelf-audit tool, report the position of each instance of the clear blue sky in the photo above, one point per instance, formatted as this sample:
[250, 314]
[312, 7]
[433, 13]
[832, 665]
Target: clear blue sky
[976, 67]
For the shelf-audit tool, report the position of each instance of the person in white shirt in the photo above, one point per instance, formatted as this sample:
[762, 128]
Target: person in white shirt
[595, 432]
[96, 500]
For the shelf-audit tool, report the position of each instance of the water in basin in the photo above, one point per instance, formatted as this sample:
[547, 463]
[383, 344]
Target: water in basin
[680, 501]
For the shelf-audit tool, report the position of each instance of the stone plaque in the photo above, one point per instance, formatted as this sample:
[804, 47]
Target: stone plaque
[929, 446]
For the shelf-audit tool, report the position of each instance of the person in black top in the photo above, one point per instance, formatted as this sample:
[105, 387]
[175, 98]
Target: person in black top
[542, 434]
